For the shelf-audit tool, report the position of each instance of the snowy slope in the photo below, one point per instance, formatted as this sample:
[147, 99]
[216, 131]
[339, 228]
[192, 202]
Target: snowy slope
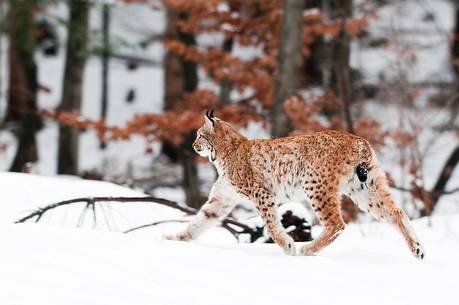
[22, 192]
[50, 264]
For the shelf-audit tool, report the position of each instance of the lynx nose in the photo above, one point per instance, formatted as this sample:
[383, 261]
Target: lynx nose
[197, 147]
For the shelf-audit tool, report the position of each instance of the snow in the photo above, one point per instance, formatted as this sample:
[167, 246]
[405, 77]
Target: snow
[50, 264]
[23, 193]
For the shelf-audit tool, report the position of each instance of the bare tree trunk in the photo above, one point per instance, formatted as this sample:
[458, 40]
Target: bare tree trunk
[173, 78]
[190, 172]
[72, 85]
[338, 59]
[225, 85]
[22, 94]
[2, 31]
[289, 62]
[442, 180]
[455, 65]
[313, 65]
[181, 76]
[105, 62]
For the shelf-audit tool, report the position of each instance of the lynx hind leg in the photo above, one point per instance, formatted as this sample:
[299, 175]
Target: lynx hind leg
[379, 202]
[267, 207]
[328, 209]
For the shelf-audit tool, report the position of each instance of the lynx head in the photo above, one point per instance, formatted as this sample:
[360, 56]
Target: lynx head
[215, 135]
[205, 135]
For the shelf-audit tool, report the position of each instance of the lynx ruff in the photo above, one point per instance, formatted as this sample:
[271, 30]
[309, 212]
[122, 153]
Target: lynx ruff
[317, 168]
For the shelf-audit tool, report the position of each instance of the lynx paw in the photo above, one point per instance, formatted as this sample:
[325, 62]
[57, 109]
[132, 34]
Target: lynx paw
[183, 236]
[307, 251]
[289, 246]
[418, 251]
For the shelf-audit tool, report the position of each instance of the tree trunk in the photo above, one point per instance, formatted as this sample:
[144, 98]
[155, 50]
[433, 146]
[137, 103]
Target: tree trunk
[225, 85]
[312, 68]
[337, 54]
[22, 94]
[181, 76]
[455, 65]
[442, 180]
[289, 63]
[190, 172]
[2, 31]
[105, 62]
[173, 78]
[72, 85]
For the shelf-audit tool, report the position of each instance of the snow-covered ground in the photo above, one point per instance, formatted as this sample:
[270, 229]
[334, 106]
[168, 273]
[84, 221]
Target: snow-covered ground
[48, 263]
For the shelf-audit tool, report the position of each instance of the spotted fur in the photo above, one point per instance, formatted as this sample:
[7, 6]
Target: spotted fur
[317, 168]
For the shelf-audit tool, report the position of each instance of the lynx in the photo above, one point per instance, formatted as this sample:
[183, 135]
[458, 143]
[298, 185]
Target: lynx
[317, 168]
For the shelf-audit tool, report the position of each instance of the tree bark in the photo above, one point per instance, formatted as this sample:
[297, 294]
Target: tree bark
[2, 31]
[313, 65]
[339, 57]
[455, 64]
[105, 62]
[173, 79]
[22, 94]
[72, 85]
[225, 85]
[289, 63]
[190, 172]
[442, 181]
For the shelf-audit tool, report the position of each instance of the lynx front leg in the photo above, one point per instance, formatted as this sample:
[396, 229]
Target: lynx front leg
[217, 207]
[268, 209]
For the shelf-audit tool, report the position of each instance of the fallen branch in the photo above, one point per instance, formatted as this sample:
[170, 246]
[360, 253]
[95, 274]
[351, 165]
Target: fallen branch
[90, 201]
[153, 224]
[408, 190]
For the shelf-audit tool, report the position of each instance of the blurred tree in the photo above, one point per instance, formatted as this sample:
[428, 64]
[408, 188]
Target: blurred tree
[106, 52]
[72, 84]
[443, 178]
[2, 32]
[338, 57]
[225, 84]
[173, 79]
[289, 62]
[181, 76]
[455, 64]
[313, 63]
[22, 94]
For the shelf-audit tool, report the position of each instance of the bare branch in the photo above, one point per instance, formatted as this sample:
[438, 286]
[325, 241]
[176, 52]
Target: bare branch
[90, 202]
[408, 190]
[153, 224]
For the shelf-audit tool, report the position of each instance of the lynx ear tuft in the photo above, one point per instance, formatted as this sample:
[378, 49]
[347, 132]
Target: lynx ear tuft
[210, 117]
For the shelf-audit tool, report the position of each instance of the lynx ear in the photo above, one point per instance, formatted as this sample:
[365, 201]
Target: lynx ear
[209, 118]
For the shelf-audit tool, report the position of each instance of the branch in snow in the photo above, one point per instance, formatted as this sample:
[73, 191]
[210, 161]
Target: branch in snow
[90, 201]
[153, 224]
